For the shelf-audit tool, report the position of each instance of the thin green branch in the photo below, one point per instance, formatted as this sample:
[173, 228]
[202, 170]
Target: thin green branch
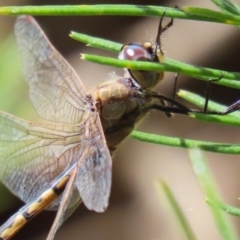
[205, 13]
[210, 191]
[229, 119]
[225, 207]
[178, 212]
[123, 10]
[223, 81]
[226, 148]
[168, 66]
[227, 6]
[97, 42]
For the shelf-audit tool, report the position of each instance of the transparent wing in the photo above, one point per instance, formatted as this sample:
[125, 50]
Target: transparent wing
[55, 89]
[92, 176]
[33, 155]
[95, 168]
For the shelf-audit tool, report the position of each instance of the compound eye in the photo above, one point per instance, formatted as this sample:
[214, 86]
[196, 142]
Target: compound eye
[137, 52]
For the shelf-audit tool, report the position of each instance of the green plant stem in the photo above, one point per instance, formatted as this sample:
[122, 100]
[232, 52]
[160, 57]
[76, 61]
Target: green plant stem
[225, 207]
[210, 191]
[226, 148]
[123, 10]
[178, 212]
[168, 66]
[227, 6]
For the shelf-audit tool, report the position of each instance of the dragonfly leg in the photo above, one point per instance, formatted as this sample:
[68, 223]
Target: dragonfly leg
[161, 29]
[208, 91]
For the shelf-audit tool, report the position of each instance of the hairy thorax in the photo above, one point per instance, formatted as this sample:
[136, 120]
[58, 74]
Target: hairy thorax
[120, 103]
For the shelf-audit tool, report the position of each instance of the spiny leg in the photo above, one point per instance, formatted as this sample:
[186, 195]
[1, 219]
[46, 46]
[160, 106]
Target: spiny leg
[175, 86]
[172, 106]
[161, 29]
[208, 91]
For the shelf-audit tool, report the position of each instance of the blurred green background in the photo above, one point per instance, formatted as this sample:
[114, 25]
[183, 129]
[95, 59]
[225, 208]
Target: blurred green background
[136, 211]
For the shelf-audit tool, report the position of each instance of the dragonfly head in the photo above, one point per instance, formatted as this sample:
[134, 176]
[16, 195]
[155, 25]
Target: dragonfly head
[146, 52]
[143, 52]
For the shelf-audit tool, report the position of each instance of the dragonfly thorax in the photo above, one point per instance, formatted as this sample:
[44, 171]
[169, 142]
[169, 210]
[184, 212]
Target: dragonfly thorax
[120, 104]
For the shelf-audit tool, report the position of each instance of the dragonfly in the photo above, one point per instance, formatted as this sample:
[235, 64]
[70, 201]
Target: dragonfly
[66, 161]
